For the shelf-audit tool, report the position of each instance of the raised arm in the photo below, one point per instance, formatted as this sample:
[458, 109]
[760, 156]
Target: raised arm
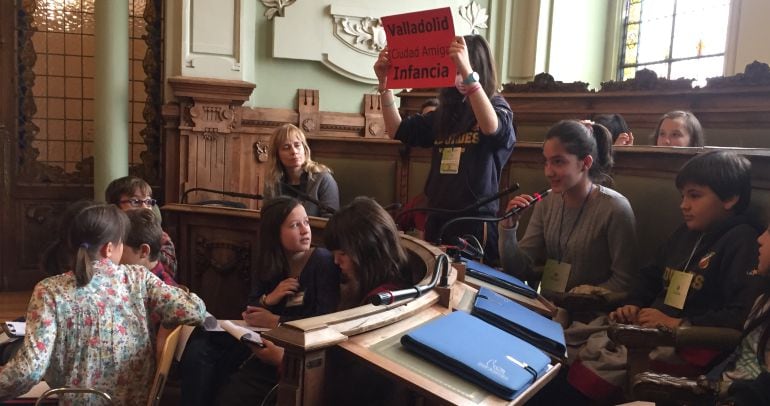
[389, 110]
[519, 257]
[482, 107]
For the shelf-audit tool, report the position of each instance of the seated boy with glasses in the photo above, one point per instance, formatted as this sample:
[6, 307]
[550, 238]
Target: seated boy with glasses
[131, 192]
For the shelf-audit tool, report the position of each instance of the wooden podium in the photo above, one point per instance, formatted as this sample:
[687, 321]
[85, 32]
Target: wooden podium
[216, 248]
[344, 356]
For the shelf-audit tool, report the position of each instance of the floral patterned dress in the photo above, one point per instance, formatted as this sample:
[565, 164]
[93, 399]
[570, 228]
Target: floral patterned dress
[100, 335]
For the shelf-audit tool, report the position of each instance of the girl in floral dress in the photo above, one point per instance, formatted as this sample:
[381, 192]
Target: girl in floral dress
[93, 327]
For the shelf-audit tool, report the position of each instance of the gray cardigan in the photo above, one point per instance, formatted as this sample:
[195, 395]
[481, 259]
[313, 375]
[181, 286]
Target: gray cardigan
[602, 249]
[321, 187]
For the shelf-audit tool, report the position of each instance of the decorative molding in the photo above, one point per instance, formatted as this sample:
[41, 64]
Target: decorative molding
[646, 79]
[261, 150]
[275, 7]
[213, 119]
[342, 128]
[361, 34]
[755, 74]
[149, 168]
[475, 15]
[545, 83]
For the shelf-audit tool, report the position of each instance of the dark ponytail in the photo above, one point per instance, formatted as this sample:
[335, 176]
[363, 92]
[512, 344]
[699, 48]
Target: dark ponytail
[582, 140]
[92, 228]
[604, 159]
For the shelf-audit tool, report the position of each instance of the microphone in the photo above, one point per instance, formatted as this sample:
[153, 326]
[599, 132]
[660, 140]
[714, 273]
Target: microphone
[536, 198]
[304, 196]
[463, 246]
[392, 296]
[514, 187]
[221, 192]
[474, 206]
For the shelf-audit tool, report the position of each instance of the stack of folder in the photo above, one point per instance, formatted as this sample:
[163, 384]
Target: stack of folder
[498, 278]
[500, 347]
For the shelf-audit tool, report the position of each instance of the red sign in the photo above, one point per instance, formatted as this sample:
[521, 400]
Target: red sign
[418, 44]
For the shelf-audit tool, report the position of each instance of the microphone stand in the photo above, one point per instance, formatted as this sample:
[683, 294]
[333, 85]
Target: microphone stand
[304, 196]
[537, 197]
[474, 206]
[392, 296]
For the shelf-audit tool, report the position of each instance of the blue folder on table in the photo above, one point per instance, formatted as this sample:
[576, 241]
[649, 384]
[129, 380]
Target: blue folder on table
[497, 361]
[516, 319]
[498, 278]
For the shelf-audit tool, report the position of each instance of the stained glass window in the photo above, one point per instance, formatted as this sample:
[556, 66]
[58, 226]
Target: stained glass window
[674, 38]
[64, 41]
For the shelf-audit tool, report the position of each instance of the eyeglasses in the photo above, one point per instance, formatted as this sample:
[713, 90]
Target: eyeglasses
[134, 202]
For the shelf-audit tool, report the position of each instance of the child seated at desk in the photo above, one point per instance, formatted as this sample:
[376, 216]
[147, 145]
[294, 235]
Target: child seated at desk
[367, 248]
[294, 280]
[130, 193]
[708, 259]
[90, 327]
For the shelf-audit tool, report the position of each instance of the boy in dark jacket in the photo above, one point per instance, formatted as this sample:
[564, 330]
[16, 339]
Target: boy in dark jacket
[701, 275]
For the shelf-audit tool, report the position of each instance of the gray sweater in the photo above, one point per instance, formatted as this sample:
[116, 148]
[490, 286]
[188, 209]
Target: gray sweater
[321, 187]
[602, 249]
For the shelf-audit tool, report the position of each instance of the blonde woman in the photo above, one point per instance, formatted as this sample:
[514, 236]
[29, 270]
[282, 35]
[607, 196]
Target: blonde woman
[292, 172]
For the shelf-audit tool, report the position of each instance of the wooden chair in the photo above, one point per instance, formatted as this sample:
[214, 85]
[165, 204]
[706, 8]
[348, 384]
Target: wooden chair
[164, 364]
[158, 382]
[639, 341]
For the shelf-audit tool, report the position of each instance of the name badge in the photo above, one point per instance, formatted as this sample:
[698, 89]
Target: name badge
[677, 290]
[450, 161]
[555, 275]
[296, 299]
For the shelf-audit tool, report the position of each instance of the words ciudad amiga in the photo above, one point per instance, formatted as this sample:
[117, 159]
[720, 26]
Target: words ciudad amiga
[418, 45]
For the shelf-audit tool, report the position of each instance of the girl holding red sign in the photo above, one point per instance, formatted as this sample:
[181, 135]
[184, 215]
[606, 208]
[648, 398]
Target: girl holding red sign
[471, 134]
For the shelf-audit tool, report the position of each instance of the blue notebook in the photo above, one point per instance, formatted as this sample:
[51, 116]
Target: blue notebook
[480, 352]
[498, 278]
[516, 319]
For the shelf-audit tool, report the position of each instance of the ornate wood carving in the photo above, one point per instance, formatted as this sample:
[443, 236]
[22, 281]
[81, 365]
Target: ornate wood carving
[755, 74]
[30, 170]
[309, 111]
[222, 257]
[213, 119]
[373, 121]
[149, 169]
[746, 105]
[545, 83]
[221, 265]
[647, 80]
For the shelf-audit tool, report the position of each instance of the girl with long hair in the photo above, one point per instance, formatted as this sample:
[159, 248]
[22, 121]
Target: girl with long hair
[472, 137]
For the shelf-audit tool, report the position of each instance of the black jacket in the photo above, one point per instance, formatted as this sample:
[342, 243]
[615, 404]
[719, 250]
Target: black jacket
[722, 291]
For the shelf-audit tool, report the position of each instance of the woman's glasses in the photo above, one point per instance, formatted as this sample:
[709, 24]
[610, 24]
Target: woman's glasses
[134, 202]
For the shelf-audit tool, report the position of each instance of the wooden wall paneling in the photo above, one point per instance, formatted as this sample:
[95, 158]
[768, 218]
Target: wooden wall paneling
[737, 102]
[7, 130]
[217, 250]
[308, 106]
